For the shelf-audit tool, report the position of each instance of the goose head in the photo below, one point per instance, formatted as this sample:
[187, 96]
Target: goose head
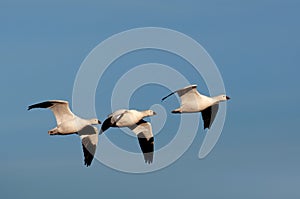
[149, 113]
[223, 97]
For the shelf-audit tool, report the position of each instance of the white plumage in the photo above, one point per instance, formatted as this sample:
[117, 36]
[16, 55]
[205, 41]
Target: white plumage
[133, 119]
[68, 123]
[192, 101]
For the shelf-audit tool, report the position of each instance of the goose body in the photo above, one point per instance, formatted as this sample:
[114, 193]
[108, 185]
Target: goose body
[69, 123]
[133, 119]
[125, 118]
[192, 101]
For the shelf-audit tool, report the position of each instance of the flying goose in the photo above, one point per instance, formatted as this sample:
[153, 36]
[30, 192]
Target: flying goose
[192, 101]
[133, 119]
[68, 123]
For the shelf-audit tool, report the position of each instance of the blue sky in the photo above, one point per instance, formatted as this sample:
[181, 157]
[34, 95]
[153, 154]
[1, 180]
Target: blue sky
[255, 45]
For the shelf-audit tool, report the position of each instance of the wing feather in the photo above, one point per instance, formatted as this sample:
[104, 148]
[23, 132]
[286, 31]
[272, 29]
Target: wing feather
[143, 130]
[89, 141]
[59, 108]
[209, 114]
[188, 94]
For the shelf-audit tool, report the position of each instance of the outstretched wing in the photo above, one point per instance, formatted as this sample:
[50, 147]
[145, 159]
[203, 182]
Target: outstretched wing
[186, 94]
[112, 119]
[89, 140]
[209, 114]
[143, 130]
[187, 89]
[106, 124]
[117, 115]
[59, 108]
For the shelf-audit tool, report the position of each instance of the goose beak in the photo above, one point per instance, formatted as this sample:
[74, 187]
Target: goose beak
[99, 122]
[228, 98]
[154, 113]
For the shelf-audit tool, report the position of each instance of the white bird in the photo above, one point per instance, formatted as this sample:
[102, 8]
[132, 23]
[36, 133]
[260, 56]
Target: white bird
[68, 123]
[192, 101]
[133, 119]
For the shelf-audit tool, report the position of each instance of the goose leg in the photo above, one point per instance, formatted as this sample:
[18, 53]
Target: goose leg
[177, 110]
[53, 131]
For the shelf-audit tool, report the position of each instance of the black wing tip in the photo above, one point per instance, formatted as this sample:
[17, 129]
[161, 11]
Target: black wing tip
[106, 125]
[147, 147]
[206, 127]
[167, 96]
[207, 123]
[163, 99]
[88, 156]
[88, 161]
[31, 107]
[208, 115]
[46, 104]
[148, 157]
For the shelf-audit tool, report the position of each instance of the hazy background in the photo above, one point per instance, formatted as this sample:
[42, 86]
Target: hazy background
[255, 45]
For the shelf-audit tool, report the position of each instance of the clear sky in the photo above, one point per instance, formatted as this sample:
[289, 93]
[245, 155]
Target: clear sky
[255, 45]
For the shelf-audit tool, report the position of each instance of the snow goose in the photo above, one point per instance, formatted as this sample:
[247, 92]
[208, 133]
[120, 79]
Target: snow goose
[192, 101]
[68, 123]
[133, 119]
